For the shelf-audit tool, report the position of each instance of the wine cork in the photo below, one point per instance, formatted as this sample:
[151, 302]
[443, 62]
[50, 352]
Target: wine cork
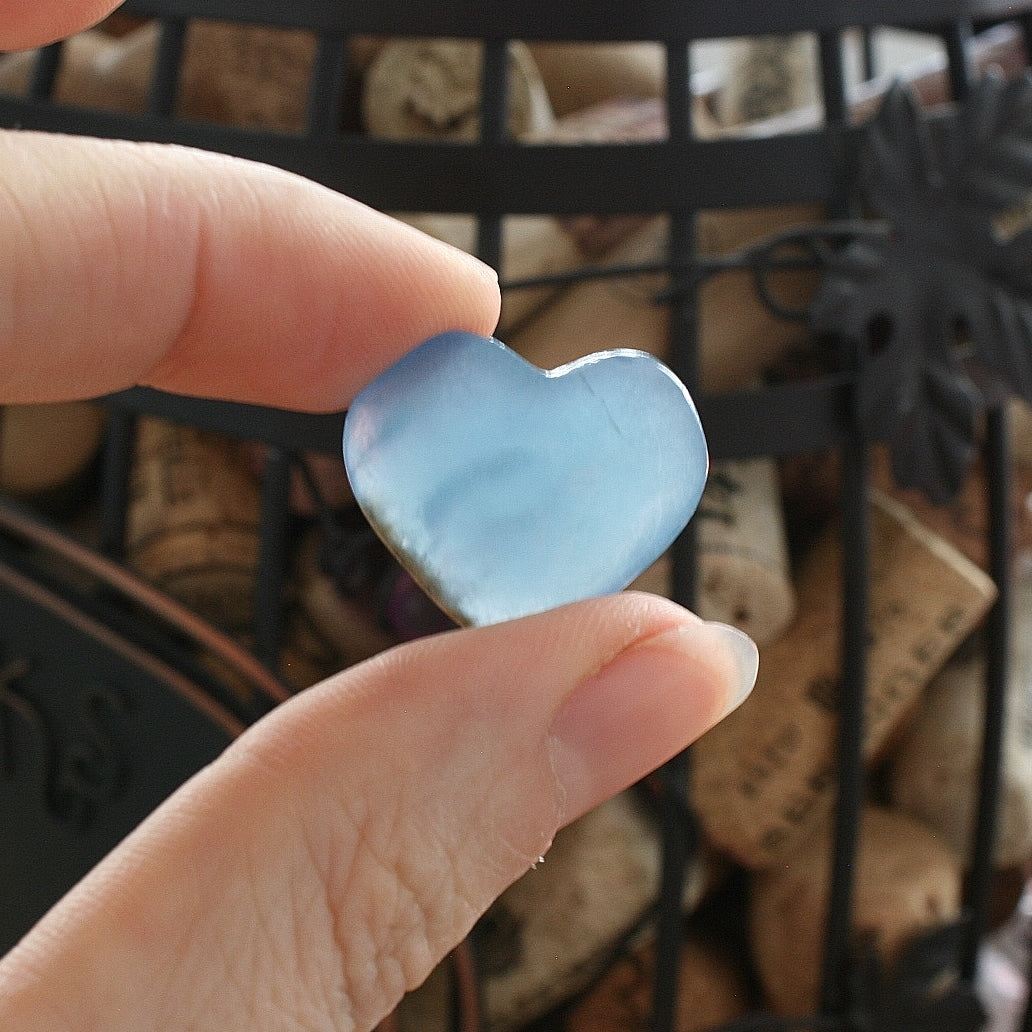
[934, 771]
[744, 576]
[964, 521]
[1000, 48]
[579, 75]
[44, 449]
[430, 89]
[192, 523]
[307, 656]
[242, 75]
[363, 49]
[532, 246]
[121, 24]
[539, 246]
[711, 992]
[742, 555]
[247, 75]
[96, 70]
[739, 336]
[332, 489]
[551, 932]
[812, 485]
[764, 778]
[600, 314]
[766, 76]
[907, 880]
[620, 120]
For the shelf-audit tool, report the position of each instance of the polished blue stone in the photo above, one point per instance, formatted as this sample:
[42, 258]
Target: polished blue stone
[506, 490]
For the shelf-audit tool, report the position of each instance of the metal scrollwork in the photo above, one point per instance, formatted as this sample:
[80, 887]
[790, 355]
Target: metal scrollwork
[71, 775]
[90, 770]
[14, 707]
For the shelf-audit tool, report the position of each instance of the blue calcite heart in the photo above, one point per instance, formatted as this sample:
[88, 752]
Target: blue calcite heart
[506, 490]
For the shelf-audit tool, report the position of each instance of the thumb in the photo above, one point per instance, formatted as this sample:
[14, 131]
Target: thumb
[342, 846]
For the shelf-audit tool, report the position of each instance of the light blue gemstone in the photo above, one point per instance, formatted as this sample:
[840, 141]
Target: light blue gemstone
[506, 490]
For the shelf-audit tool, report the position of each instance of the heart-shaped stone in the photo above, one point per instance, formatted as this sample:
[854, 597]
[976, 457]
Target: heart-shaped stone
[505, 489]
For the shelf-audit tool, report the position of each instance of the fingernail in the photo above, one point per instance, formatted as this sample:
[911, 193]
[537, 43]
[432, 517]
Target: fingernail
[646, 705]
[746, 659]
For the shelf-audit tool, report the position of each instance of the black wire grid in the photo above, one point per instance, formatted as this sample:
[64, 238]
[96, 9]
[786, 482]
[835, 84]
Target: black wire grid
[680, 176]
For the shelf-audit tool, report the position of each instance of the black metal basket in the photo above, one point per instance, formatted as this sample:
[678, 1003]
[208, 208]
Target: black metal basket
[680, 175]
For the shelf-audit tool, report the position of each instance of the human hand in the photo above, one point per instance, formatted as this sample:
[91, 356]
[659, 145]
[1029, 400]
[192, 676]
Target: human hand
[334, 853]
[33, 23]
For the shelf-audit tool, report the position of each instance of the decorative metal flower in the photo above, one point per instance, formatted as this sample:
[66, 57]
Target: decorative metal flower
[922, 992]
[940, 298]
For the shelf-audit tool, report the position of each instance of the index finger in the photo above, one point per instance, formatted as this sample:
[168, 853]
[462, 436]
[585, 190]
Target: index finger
[124, 263]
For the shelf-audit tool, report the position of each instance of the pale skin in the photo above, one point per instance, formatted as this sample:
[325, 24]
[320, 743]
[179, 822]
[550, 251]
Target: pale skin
[329, 859]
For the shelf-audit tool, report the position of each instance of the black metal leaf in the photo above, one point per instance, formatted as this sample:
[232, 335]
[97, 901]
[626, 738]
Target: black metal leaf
[924, 992]
[995, 132]
[913, 392]
[942, 297]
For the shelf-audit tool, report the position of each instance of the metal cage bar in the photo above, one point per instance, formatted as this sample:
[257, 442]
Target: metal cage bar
[834, 994]
[164, 90]
[327, 85]
[603, 21]
[680, 838]
[44, 71]
[998, 465]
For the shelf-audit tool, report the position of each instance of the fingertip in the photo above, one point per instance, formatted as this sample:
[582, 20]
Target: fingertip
[659, 694]
[743, 664]
[482, 283]
[31, 23]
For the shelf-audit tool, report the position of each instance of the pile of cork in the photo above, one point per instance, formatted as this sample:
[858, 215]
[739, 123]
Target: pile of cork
[770, 561]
